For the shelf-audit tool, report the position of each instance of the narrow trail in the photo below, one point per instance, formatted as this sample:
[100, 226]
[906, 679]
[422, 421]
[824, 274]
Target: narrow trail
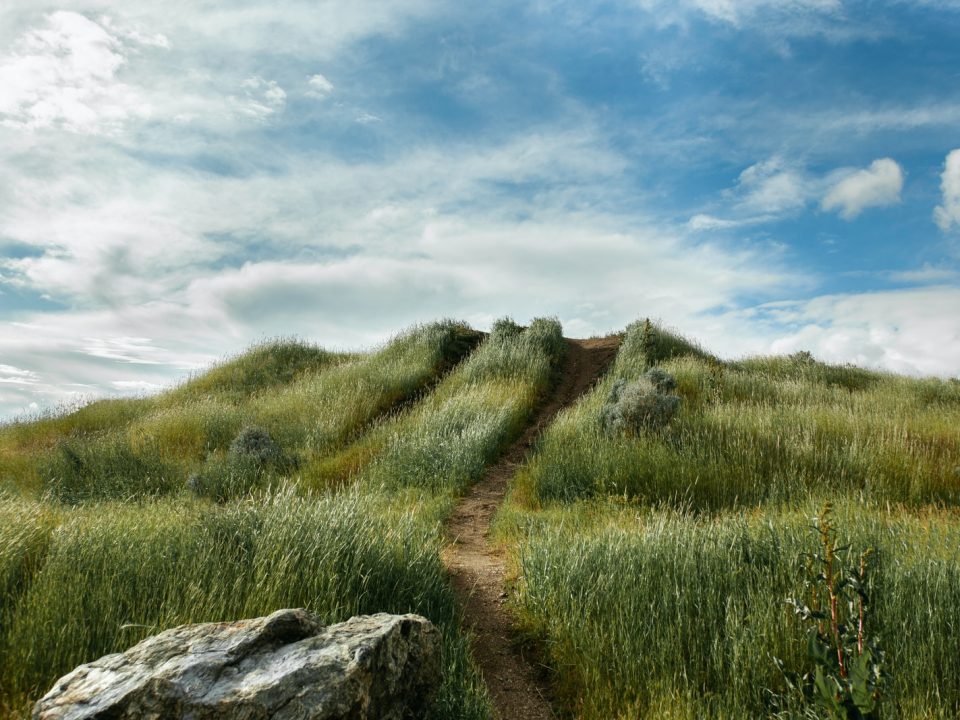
[477, 570]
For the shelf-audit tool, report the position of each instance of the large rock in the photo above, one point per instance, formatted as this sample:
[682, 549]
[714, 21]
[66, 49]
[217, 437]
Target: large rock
[284, 666]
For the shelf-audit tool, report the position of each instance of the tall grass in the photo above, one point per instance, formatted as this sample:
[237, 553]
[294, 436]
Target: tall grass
[676, 612]
[659, 614]
[308, 399]
[763, 431]
[446, 442]
[25, 529]
[116, 573]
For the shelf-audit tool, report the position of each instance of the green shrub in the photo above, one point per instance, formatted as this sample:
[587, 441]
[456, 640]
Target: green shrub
[256, 444]
[633, 407]
[253, 461]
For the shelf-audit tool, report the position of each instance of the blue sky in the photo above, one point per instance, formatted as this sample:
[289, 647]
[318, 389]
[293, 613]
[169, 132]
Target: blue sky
[180, 179]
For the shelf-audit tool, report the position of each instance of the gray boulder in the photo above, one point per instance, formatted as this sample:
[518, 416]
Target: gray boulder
[286, 666]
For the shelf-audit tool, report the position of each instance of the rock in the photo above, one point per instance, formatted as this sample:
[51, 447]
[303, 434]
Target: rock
[286, 666]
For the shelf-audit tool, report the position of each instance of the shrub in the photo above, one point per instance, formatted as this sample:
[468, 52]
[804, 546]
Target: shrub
[254, 458]
[255, 443]
[663, 381]
[645, 404]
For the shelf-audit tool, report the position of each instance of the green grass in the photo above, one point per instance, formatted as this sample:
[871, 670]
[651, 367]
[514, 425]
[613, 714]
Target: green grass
[662, 614]
[654, 566]
[25, 529]
[310, 401]
[114, 574]
[445, 442]
[765, 431]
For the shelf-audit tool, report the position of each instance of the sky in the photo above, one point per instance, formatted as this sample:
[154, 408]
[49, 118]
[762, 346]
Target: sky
[180, 179]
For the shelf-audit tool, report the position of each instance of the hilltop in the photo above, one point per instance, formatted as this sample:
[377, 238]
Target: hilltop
[642, 506]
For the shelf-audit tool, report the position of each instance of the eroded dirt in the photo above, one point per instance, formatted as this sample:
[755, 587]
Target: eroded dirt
[513, 677]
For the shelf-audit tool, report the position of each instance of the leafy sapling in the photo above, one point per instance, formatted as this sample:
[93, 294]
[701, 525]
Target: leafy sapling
[846, 676]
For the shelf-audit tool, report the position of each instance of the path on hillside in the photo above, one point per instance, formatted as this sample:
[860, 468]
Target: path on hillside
[477, 570]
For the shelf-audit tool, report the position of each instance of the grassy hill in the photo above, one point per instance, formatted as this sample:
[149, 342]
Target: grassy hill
[654, 532]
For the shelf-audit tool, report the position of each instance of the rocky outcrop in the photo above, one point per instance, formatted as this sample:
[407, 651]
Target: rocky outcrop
[285, 666]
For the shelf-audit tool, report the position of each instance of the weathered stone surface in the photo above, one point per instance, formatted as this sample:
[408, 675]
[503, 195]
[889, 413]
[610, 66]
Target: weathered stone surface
[285, 666]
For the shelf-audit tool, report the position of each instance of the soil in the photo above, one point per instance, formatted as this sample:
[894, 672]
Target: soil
[514, 677]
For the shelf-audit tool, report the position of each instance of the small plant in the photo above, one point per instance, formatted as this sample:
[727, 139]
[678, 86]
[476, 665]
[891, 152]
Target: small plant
[847, 675]
[256, 444]
[252, 460]
[645, 404]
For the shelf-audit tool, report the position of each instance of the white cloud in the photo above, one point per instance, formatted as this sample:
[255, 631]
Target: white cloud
[877, 186]
[914, 331]
[17, 376]
[924, 275]
[704, 221]
[947, 214]
[764, 192]
[773, 186]
[63, 74]
[776, 19]
[319, 86]
[262, 98]
[735, 12]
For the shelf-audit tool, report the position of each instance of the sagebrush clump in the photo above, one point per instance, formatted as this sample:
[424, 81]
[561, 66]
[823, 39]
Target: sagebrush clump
[254, 458]
[645, 404]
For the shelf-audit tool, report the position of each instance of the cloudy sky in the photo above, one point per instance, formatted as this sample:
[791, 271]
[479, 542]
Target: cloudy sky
[179, 179]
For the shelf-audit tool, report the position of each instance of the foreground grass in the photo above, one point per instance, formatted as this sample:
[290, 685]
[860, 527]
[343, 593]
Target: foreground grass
[83, 581]
[100, 578]
[652, 614]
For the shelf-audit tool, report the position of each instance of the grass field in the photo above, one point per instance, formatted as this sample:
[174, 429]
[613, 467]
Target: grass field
[83, 574]
[309, 400]
[655, 565]
[654, 534]
[79, 583]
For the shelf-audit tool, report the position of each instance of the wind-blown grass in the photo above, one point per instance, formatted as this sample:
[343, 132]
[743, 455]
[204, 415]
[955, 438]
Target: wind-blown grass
[308, 399]
[25, 528]
[658, 614]
[116, 573]
[656, 597]
[445, 443]
[759, 431]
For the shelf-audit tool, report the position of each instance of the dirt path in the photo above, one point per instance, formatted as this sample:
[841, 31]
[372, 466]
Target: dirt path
[477, 570]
